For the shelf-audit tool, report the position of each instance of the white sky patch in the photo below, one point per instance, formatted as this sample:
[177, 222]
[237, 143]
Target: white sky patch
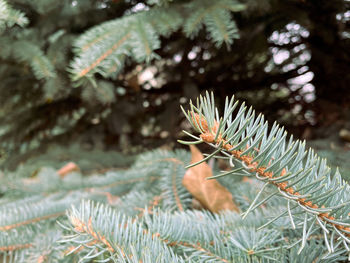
[177, 58]
[303, 69]
[147, 75]
[305, 56]
[139, 7]
[280, 56]
[308, 88]
[191, 55]
[303, 79]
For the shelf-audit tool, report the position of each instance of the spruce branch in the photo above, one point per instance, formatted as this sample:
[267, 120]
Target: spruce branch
[28, 53]
[118, 237]
[13, 244]
[174, 195]
[136, 221]
[45, 247]
[97, 229]
[299, 175]
[206, 236]
[9, 16]
[30, 213]
[14, 247]
[104, 48]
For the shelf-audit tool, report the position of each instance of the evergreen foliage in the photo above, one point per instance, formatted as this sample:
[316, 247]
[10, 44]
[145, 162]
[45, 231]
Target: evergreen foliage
[10, 17]
[299, 175]
[60, 49]
[91, 55]
[103, 48]
[294, 210]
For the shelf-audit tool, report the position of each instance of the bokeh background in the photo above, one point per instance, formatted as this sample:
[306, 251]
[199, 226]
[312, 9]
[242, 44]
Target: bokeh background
[290, 59]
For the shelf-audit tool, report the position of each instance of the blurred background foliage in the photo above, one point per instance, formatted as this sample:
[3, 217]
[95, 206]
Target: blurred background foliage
[288, 58]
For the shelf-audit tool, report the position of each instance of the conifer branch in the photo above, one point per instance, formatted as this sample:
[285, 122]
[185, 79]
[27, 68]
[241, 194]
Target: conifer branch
[31, 221]
[176, 195]
[103, 49]
[29, 53]
[299, 175]
[30, 213]
[16, 247]
[143, 223]
[10, 16]
[150, 207]
[123, 238]
[102, 57]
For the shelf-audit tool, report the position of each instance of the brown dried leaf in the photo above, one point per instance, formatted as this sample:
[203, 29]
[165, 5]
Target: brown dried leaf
[210, 193]
[68, 168]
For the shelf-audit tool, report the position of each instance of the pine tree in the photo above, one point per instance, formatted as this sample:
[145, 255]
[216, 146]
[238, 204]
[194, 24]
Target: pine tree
[292, 208]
